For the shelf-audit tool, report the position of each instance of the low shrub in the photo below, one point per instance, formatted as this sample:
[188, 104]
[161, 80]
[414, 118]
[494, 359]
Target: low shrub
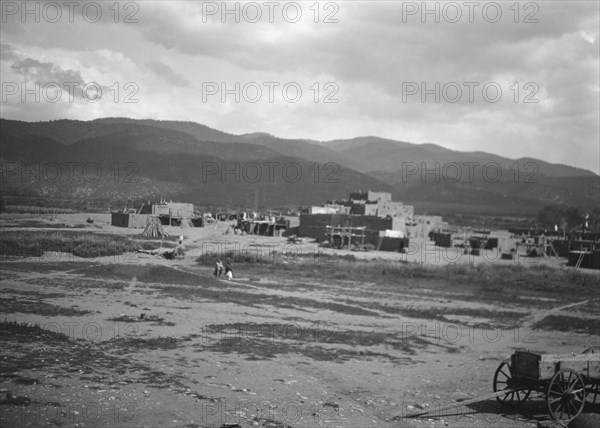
[88, 245]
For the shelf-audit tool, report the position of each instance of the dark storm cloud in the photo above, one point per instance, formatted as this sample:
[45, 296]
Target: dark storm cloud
[46, 72]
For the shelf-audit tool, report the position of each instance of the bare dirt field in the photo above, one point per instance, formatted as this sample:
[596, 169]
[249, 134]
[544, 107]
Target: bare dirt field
[310, 340]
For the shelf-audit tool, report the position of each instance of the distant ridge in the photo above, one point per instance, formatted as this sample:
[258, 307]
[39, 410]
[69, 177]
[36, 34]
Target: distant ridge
[349, 151]
[170, 155]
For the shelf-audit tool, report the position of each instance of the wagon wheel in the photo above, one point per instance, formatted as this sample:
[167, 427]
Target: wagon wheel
[565, 396]
[504, 379]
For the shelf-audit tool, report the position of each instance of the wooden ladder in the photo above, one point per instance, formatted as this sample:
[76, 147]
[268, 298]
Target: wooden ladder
[579, 260]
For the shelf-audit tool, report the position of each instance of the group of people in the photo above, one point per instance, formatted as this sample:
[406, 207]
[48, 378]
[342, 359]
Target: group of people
[219, 270]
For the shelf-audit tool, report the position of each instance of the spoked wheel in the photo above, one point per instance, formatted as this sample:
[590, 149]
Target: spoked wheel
[565, 396]
[504, 379]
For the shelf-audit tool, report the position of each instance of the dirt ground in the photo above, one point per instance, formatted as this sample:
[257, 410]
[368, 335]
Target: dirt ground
[141, 341]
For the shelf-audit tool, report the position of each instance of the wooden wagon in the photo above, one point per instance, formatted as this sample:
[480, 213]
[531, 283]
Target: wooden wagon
[566, 381]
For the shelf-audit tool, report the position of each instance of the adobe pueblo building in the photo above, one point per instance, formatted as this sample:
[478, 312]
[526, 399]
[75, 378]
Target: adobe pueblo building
[369, 219]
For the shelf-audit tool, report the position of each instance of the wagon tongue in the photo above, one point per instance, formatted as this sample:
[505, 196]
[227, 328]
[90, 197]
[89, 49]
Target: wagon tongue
[462, 403]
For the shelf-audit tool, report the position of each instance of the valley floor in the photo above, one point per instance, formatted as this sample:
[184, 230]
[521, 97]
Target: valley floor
[143, 341]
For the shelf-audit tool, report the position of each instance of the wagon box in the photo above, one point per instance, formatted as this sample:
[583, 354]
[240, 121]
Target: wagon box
[532, 366]
[587, 365]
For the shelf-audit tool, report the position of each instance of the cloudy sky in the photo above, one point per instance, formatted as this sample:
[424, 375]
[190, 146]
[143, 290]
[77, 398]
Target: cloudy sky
[512, 80]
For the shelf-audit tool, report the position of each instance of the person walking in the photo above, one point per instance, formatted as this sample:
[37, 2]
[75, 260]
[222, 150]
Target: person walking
[218, 269]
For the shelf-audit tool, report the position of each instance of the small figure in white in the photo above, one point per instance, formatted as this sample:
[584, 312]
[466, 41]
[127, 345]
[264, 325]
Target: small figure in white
[228, 271]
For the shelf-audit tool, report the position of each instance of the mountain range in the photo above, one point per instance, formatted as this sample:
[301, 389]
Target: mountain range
[120, 159]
